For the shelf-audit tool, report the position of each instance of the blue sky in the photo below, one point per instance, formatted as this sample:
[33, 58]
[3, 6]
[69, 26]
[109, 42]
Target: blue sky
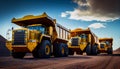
[102, 20]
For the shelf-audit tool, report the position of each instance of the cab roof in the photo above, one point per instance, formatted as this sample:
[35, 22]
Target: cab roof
[31, 19]
[106, 39]
[80, 30]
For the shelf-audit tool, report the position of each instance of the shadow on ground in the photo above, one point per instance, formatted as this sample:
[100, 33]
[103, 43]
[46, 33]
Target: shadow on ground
[30, 57]
[108, 55]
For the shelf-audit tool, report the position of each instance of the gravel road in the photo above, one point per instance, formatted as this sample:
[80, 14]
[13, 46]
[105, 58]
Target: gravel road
[102, 61]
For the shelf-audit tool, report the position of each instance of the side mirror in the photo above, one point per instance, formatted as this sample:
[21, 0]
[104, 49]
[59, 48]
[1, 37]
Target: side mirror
[12, 28]
[8, 34]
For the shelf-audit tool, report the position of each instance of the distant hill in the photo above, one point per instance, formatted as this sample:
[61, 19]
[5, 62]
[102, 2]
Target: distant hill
[3, 50]
[117, 50]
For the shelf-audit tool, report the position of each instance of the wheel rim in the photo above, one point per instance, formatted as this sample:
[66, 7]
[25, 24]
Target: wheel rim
[63, 50]
[47, 50]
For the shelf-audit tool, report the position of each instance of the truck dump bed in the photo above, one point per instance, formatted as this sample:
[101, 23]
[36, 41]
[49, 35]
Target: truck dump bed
[62, 31]
[94, 38]
[106, 39]
[31, 19]
[59, 32]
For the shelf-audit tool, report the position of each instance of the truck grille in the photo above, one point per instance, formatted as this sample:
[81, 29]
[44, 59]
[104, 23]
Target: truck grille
[75, 42]
[101, 45]
[19, 37]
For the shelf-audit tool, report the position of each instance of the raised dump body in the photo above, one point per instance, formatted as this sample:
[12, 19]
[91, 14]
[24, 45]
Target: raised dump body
[105, 45]
[38, 36]
[83, 40]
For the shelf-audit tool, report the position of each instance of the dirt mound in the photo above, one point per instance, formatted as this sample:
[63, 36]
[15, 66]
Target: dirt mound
[117, 51]
[3, 50]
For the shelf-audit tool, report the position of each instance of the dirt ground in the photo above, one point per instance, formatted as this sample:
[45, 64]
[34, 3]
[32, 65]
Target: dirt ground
[102, 61]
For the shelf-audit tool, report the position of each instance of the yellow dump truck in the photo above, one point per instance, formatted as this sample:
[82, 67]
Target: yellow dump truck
[105, 45]
[83, 40]
[39, 35]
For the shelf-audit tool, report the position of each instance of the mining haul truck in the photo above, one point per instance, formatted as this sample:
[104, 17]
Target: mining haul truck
[83, 40]
[105, 45]
[39, 35]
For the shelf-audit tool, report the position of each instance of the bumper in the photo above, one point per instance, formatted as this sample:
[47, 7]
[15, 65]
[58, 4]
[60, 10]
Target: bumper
[29, 47]
[81, 47]
[74, 48]
[102, 50]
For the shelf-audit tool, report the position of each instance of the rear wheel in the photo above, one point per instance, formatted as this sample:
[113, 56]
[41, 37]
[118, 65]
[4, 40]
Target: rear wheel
[60, 50]
[43, 50]
[18, 54]
[66, 50]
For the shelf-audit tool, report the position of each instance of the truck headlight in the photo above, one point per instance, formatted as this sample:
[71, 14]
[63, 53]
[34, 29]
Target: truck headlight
[32, 41]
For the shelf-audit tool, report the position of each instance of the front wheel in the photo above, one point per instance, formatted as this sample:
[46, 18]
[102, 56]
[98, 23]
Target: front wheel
[43, 50]
[88, 49]
[94, 50]
[60, 50]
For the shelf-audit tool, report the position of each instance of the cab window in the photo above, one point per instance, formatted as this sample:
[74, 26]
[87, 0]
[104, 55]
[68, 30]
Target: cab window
[39, 28]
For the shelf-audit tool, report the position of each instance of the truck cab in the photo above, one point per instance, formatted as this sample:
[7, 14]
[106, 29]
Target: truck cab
[83, 40]
[105, 45]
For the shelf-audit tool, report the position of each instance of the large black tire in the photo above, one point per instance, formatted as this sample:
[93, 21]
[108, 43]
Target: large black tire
[43, 50]
[18, 54]
[94, 50]
[59, 50]
[98, 52]
[35, 52]
[88, 49]
[71, 52]
[110, 51]
[66, 50]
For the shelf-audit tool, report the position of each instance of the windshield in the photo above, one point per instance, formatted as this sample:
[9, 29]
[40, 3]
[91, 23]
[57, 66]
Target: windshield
[39, 28]
[107, 42]
[83, 36]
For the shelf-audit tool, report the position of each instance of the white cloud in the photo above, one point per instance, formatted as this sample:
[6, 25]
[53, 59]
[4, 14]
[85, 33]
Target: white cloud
[81, 27]
[87, 16]
[97, 25]
[86, 11]
[63, 14]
